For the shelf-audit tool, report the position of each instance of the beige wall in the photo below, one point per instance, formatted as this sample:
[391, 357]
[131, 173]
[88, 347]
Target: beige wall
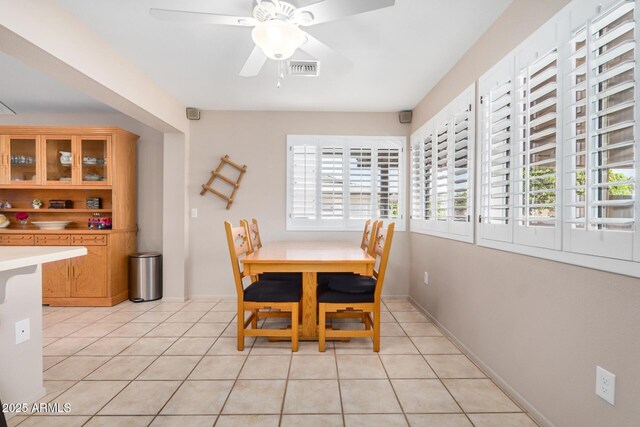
[258, 139]
[541, 327]
[150, 168]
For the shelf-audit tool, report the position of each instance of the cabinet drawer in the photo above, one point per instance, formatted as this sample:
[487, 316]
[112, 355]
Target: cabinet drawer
[99, 240]
[53, 240]
[17, 240]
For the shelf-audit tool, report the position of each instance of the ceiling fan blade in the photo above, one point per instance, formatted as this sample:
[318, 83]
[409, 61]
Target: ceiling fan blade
[321, 51]
[201, 17]
[330, 10]
[254, 63]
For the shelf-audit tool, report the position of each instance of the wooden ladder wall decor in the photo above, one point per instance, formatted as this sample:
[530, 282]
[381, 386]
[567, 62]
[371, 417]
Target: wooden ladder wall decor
[216, 174]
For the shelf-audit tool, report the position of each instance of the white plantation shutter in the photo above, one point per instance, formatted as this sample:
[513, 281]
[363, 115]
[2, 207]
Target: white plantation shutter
[337, 183]
[428, 151]
[442, 171]
[331, 182]
[416, 187]
[602, 142]
[496, 152]
[303, 165]
[536, 181]
[360, 182]
[461, 167]
[388, 181]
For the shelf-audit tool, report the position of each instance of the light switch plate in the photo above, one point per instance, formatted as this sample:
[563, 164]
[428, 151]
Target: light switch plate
[22, 331]
[194, 212]
[426, 278]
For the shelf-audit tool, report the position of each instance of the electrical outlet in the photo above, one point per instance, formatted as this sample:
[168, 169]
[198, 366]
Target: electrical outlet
[194, 212]
[426, 278]
[22, 331]
[606, 385]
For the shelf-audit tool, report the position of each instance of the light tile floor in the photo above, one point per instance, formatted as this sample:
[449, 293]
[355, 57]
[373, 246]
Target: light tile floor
[176, 364]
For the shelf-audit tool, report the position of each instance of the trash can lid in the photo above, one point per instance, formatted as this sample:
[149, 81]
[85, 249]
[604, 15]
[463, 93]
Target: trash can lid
[146, 255]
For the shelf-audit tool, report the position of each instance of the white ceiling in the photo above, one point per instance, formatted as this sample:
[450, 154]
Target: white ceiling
[395, 56]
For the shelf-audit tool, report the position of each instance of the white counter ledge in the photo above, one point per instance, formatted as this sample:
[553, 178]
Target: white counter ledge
[12, 257]
[21, 310]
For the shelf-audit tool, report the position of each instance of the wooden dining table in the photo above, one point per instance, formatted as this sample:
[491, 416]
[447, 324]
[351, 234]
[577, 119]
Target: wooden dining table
[309, 258]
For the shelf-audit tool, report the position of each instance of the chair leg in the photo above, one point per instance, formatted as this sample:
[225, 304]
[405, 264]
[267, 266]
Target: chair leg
[365, 320]
[321, 325]
[294, 326]
[240, 322]
[254, 322]
[376, 328]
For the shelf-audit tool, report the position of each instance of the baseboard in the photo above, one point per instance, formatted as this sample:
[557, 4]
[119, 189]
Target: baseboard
[395, 297]
[174, 299]
[524, 403]
[207, 297]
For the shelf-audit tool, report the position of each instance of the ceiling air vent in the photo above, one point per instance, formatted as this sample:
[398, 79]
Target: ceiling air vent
[308, 68]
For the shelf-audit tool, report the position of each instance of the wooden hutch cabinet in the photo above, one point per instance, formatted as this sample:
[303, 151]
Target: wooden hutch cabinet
[73, 164]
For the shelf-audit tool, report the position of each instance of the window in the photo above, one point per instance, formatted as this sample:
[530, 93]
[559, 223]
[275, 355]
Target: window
[558, 143]
[496, 153]
[442, 171]
[338, 182]
[536, 182]
[601, 140]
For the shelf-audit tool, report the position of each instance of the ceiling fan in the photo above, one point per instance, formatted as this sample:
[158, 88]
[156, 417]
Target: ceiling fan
[276, 26]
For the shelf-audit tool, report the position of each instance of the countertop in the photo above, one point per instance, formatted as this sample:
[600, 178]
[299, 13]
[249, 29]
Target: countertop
[12, 257]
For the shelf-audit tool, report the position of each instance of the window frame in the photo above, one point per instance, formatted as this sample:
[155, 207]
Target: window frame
[346, 223]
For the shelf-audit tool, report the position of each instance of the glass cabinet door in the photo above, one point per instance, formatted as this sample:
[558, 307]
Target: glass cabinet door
[94, 152]
[22, 160]
[59, 159]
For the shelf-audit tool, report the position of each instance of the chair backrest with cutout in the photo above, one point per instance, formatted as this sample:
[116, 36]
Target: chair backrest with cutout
[368, 235]
[239, 246]
[382, 248]
[254, 234]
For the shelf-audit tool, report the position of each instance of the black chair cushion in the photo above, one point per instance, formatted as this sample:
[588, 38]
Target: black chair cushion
[282, 277]
[273, 291]
[354, 284]
[325, 278]
[327, 295]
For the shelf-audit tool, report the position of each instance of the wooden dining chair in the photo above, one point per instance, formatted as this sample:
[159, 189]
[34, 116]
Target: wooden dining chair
[370, 229]
[357, 294]
[280, 295]
[366, 243]
[256, 243]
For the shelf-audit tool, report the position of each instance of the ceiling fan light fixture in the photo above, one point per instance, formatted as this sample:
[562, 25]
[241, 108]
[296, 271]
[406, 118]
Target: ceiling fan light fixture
[278, 39]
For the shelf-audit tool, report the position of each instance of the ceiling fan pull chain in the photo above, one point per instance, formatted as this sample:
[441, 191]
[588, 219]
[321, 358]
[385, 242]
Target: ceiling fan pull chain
[280, 73]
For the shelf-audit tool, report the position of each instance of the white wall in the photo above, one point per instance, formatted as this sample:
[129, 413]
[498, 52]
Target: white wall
[258, 139]
[21, 364]
[149, 168]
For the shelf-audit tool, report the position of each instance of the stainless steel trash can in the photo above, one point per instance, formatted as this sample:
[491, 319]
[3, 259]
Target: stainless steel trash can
[145, 276]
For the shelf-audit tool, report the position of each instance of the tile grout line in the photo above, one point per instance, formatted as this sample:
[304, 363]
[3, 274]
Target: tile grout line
[250, 349]
[286, 386]
[128, 383]
[335, 359]
[404, 414]
[237, 376]
[112, 357]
